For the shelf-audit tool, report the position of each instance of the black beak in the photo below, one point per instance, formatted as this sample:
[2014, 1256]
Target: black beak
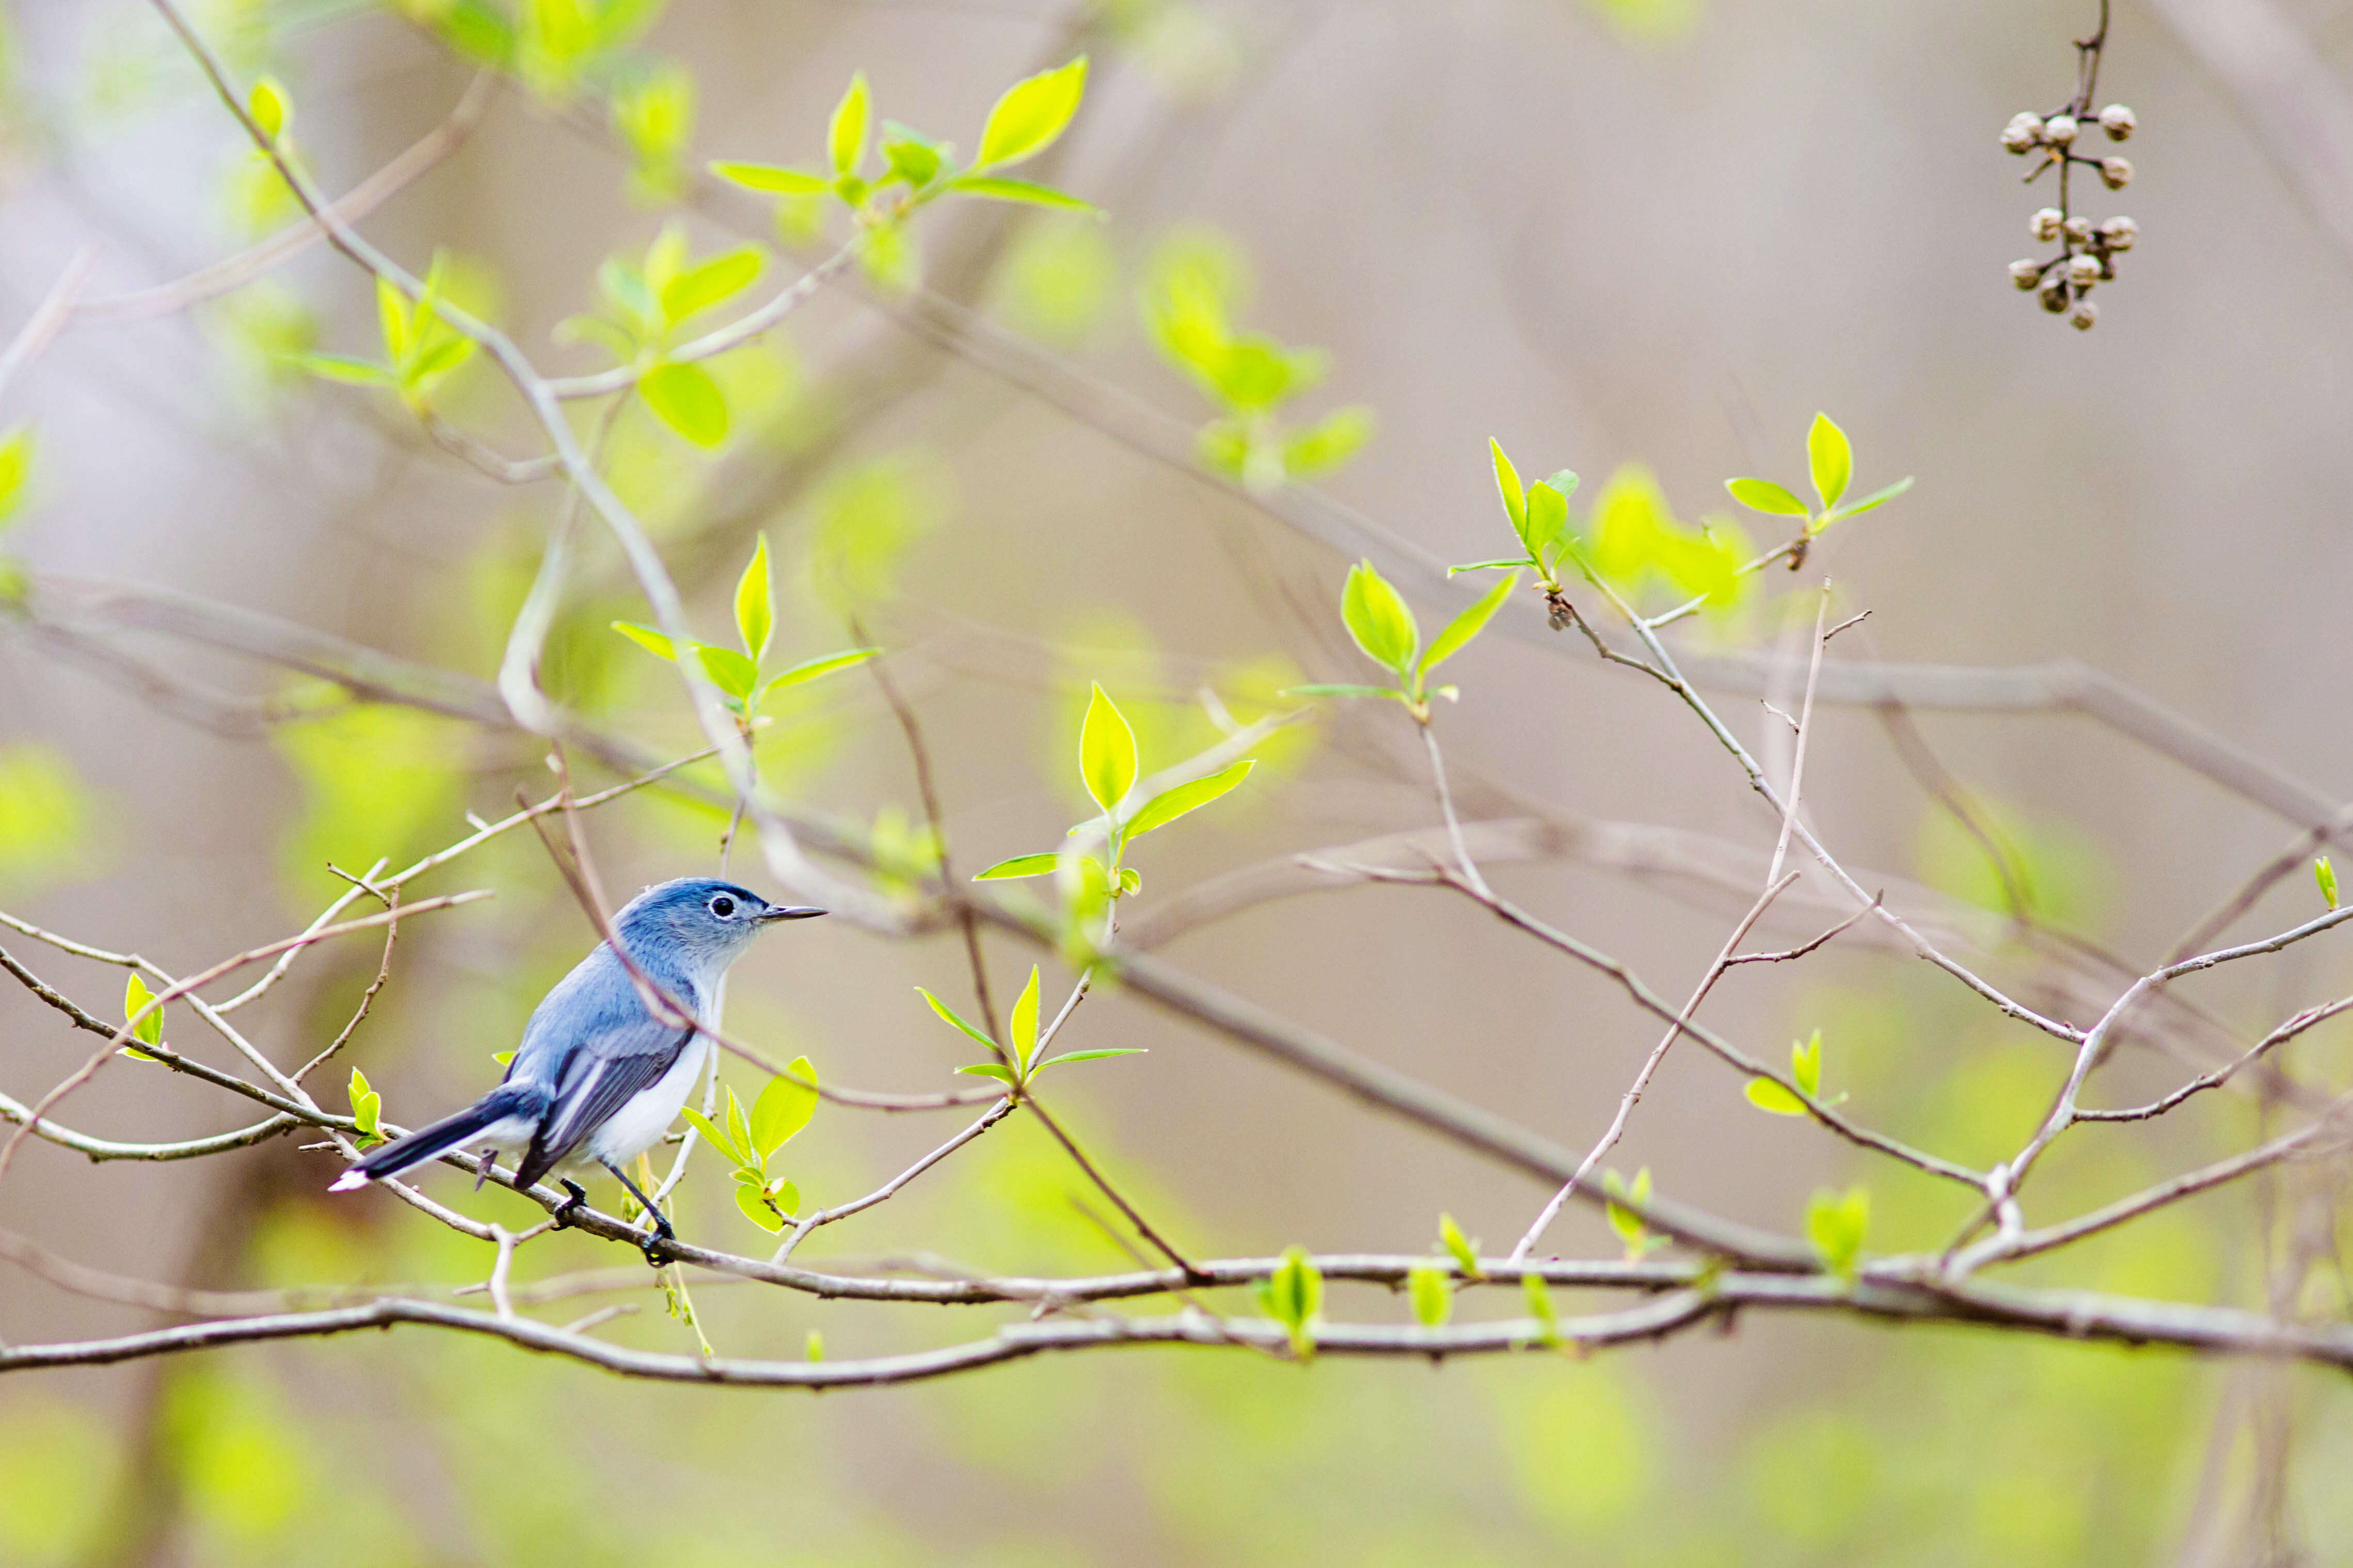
[787, 912]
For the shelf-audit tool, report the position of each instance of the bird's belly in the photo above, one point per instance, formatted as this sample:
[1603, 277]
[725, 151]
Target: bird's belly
[640, 1123]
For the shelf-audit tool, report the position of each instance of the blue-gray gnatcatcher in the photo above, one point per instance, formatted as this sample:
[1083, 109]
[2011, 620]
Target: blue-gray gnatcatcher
[599, 1077]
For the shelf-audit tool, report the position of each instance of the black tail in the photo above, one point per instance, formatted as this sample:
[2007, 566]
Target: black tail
[404, 1154]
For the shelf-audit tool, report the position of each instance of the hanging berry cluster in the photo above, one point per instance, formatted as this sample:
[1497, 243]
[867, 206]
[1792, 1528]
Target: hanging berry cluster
[2087, 250]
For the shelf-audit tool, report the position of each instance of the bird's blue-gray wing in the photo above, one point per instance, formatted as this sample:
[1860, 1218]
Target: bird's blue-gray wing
[597, 1046]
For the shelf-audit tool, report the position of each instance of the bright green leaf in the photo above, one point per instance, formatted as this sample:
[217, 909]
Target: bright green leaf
[266, 104]
[1875, 498]
[1292, 1295]
[1829, 459]
[1021, 865]
[1538, 1293]
[1492, 565]
[1433, 1293]
[1464, 1251]
[809, 670]
[990, 1070]
[712, 282]
[1021, 1024]
[1806, 1063]
[686, 399]
[1322, 447]
[1548, 518]
[1106, 751]
[774, 177]
[1764, 495]
[844, 137]
[1836, 1224]
[1473, 621]
[991, 188]
[1093, 1056]
[755, 605]
[753, 1202]
[1767, 1095]
[1169, 804]
[729, 670]
[784, 1107]
[1031, 113]
[392, 316]
[949, 1014]
[1341, 689]
[717, 1139]
[1507, 484]
[148, 1030]
[1378, 620]
[2326, 875]
[911, 158]
[646, 638]
[344, 368]
[15, 467]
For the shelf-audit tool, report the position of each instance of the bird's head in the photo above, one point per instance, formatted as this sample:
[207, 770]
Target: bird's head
[699, 920]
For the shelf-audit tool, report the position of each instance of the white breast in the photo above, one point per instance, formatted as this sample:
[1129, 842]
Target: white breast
[640, 1123]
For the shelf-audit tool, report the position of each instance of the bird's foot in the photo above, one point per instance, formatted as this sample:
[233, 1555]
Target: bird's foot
[575, 1196]
[650, 1242]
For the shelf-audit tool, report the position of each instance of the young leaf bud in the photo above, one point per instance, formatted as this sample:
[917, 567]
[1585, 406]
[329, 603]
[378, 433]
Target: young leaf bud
[2027, 273]
[2086, 314]
[2119, 233]
[2078, 230]
[2061, 131]
[2045, 224]
[2117, 121]
[2116, 172]
[2083, 271]
[2021, 139]
[2055, 295]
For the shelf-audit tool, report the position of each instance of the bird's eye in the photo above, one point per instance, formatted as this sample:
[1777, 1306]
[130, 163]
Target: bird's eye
[722, 905]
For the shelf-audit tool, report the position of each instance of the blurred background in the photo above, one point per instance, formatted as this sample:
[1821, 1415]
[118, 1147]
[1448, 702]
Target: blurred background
[1642, 239]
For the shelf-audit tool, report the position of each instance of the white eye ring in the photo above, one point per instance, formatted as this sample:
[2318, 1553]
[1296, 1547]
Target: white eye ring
[724, 907]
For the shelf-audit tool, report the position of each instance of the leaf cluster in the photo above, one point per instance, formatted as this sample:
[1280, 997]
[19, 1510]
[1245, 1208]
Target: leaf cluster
[741, 677]
[1805, 1072]
[1384, 628]
[645, 305]
[1830, 462]
[1293, 1297]
[752, 1138]
[420, 349]
[1640, 1240]
[1018, 1059]
[1835, 1224]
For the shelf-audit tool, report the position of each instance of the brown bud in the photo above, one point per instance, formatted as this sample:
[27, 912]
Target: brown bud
[2078, 230]
[2045, 224]
[2119, 233]
[2055, 295]
[2086, 314]
[2117, 121]
[2083, 271]
[2061, 129]
[2027, 273]
[2116, 172]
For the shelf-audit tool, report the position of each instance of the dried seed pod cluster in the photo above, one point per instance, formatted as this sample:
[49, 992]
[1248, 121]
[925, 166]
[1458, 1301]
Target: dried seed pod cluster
[2087, 251]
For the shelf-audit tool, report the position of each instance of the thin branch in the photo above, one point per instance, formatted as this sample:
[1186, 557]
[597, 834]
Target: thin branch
[995, 1114]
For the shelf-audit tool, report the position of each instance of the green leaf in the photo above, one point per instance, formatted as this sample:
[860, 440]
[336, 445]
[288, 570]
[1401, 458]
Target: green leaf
[1507, 483]
[504, 1059]
[1341, 689]
[343, 368]
[1024, 122]
[1169, 804]
[739, 1130]
[1464, 1251]
[774, 177]
[1836, 1224]
[753, 1200]
[1767, 1095]
[911, 158]
[784, 1107]
[712, 282]
[1433, 1295]
[1764, 495]
[148, 1030]
[1473, 621]
[715, 1138]
[844, 137]
[1020, 866]
[1129, 880]
[435, 363]
[991, 188]
[266, 104]
[1806, 1063]
[1322, 447]
[755, 606]
[367, 1105]
[729, 670]
[810, 668]
[2326, 875]
[1829, 459]
[1492, 565]
[15, 467]
[646, 638]
[392, 315]
[949, 1014]
[1106, 751]
[1022, 1023]
[1292, 1295]
[1625, 1221]
[990, 1070]
[1378, 620]
[1093, 1056]
[686, 399]
[1538, 1293]
[1548, 518]
[1876, 497]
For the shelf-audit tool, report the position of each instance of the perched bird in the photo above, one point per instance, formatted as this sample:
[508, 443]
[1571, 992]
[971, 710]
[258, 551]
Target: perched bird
[600, 1076]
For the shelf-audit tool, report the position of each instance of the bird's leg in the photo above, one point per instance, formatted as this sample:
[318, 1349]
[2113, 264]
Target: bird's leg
[661, 1230]
[577, 1195]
